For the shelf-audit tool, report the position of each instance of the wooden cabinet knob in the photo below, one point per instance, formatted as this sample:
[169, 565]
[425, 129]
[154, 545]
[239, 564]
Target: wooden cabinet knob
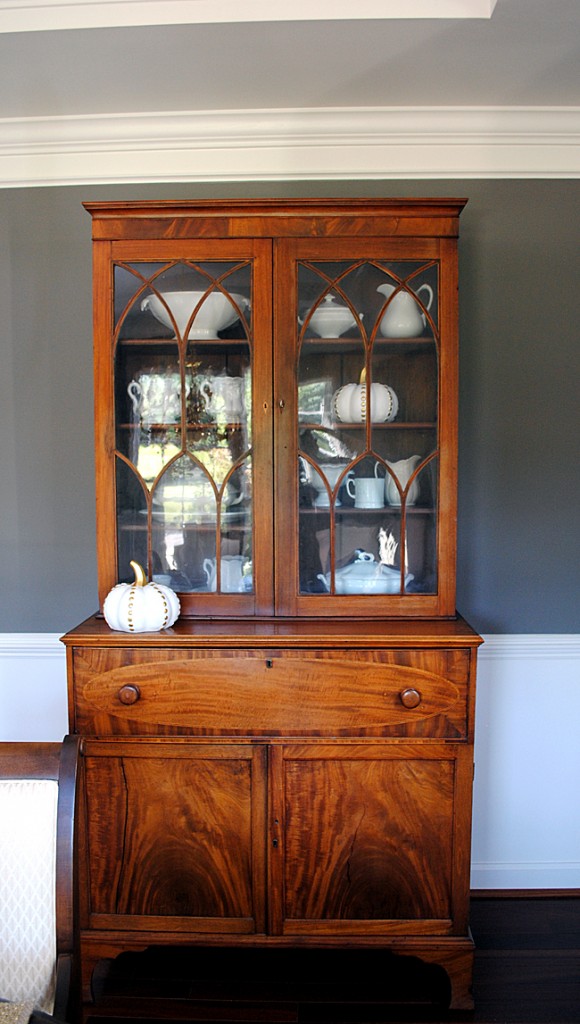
[129, 694]
[410, 698]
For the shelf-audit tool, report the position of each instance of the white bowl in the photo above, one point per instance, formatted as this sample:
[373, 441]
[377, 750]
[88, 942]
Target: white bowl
[215, 313]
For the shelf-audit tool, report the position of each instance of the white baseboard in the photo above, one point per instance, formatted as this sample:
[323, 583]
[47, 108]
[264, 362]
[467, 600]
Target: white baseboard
[526, 809]
[547, 876]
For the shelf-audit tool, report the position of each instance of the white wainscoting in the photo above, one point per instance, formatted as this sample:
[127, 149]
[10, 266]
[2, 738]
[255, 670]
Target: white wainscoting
[33, 688]
[526, 832]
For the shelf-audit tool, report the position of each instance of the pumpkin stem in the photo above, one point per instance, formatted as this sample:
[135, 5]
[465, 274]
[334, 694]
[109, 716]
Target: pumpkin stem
[363, 375]
[140, 577]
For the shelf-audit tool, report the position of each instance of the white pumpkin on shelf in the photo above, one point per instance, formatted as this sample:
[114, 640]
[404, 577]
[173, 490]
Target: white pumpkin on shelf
[349, 403]
[140, 607]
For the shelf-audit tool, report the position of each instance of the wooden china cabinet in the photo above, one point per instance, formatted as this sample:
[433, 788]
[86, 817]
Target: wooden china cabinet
[276, 439]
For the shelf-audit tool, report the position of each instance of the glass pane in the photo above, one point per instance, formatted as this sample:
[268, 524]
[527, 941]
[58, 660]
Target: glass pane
[183, 498]
[236, 567]
[148, 409]
[409, 301]
[130, 284]
[183, 424]
[199, 301]
[368, 397]
[131, 521]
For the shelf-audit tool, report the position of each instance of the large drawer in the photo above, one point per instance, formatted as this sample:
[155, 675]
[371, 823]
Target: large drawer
[271, 692]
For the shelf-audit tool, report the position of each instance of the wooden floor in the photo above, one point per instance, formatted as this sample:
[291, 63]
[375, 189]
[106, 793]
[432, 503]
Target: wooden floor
[527, 971]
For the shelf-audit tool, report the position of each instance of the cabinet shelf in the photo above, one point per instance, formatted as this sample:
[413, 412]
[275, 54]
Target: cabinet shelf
[171, 342]
[350, 341]
[176, 425]
[237, 527]
[335, 426]
[351, 510]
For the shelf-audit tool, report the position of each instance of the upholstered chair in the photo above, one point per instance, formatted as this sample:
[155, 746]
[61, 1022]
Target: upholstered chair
[37, 874]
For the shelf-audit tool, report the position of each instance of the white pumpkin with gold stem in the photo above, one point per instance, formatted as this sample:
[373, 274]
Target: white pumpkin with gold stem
[140, 607]
[350, 402]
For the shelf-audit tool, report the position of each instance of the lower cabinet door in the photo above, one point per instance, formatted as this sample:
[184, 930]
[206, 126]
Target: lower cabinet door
[175, 836]
[369, 839]
[363, 839]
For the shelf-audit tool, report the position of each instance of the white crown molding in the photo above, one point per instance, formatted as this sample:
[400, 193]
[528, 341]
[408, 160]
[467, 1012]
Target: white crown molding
[56, 15]
[291, 144]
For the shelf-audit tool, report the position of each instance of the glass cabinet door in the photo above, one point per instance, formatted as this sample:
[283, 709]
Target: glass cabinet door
[185, 336]
[367, 442]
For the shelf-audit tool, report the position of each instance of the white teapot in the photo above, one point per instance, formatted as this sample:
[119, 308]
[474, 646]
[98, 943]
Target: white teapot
[403, 317]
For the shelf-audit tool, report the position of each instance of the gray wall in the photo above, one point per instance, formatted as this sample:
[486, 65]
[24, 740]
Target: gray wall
[518, 566]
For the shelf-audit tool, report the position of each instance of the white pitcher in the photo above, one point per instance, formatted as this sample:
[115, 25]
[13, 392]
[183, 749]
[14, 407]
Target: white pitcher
[403, 317]
[403, 470]
[231, 573]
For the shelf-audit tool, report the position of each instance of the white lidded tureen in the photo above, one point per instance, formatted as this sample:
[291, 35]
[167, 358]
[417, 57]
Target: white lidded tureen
[366, 576]
[330, 319]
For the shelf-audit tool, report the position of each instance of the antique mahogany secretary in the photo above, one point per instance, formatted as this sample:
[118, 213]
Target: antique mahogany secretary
[276, 440]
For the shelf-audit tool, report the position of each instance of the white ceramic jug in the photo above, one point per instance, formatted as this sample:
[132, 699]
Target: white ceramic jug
[231, 573]
[403, 470]
[403, 317]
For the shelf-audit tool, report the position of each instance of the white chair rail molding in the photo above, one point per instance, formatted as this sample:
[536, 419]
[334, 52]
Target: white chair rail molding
[526, 812]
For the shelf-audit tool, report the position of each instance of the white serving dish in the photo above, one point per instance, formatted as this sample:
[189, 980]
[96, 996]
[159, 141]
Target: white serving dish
[366, 577]
[330, 320]
[215, 313]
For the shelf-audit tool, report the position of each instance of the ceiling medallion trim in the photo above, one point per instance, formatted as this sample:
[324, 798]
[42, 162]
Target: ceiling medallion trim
[349, 143]
[58, 15]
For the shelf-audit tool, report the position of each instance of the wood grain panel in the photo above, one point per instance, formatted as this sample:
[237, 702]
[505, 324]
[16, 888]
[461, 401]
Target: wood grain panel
[261, 693]
[268, 217]
[170, 836]
[368, 839]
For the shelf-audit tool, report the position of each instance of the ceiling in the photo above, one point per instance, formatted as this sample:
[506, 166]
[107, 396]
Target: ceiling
[62, 89]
